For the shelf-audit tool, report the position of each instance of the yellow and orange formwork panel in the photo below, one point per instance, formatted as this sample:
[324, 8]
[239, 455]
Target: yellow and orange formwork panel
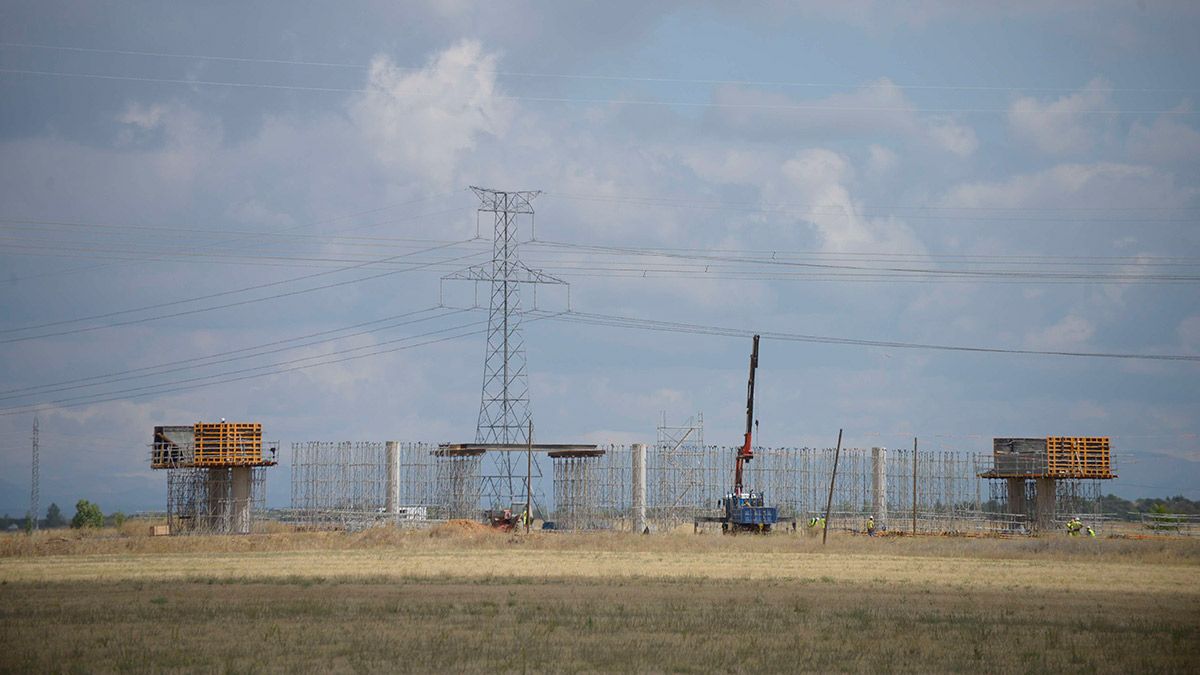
[1078, 457]
[228, 444]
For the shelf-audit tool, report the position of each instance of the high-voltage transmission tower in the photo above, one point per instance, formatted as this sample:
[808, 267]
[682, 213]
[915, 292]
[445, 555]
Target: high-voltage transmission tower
[504, 401]
[33, 490]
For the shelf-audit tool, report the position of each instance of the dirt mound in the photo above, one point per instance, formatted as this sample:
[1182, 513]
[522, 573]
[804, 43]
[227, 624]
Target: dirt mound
[459, 528]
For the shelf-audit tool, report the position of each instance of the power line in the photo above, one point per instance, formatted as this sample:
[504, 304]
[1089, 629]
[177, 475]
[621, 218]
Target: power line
[933, 272]
[411, 268]
[216, 377]
[735, 267]
[945, 213]
[699, 329]
[286, 229]
[178, 386]
[216, 359]
[598, 77]
[582, 101]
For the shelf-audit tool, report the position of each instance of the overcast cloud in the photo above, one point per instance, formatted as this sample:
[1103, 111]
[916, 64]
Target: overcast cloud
[864, 155]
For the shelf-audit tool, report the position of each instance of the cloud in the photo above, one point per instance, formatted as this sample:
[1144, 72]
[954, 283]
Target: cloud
[877, 109]
[1166, 141]
[143, 116]
[881, 160]
[1070, 332]
[951, 136]
[1094, 186]
[425, 122]
[1062, 126]
[818, 178]
[1189, 334]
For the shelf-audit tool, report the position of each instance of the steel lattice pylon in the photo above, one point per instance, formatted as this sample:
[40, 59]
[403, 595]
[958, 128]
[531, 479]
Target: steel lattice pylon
[504, 399]
[504, 402]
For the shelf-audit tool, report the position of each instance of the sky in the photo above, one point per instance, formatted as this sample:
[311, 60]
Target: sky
[206, 209]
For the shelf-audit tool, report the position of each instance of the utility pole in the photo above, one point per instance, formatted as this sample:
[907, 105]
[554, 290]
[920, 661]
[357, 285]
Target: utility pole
[832, 479]
[914, 495]
[529, 477]
[33, 491]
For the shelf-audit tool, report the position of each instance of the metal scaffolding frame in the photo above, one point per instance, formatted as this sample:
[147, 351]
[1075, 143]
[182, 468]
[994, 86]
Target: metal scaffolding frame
[223, 500]
[348, 484]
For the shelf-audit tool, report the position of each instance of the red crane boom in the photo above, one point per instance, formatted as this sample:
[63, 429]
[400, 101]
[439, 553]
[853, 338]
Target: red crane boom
[747, 452]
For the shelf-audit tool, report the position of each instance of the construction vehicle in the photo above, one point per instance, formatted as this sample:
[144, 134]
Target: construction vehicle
[504, 520]
[745, 510]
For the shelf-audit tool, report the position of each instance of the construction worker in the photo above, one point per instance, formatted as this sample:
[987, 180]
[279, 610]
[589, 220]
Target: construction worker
[1074, 526]
[870, 526]
[1091, 532]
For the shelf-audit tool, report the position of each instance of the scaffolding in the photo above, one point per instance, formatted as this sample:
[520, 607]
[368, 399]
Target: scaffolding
[685, 481]
[215, 475]
[358, 484]
[459, 483]
[943, 491]
[226, 500]
[1042, 482]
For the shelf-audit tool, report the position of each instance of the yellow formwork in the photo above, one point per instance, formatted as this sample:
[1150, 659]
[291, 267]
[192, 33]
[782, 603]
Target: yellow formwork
[227, 444]
[1078, 457]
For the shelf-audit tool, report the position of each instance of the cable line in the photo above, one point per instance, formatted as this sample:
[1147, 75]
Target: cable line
[411, 268]
[601, 77]
[174, 387]
[216, 359]
[699, 329]
[799, 107]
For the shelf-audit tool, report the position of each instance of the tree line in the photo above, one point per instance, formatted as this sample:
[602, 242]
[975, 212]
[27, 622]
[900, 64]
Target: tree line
[87, 514]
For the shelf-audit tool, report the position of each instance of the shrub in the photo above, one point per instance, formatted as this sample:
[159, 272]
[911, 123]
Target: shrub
[87, 514]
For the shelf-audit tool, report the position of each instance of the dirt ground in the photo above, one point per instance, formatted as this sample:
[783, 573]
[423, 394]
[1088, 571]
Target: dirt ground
[466, 600]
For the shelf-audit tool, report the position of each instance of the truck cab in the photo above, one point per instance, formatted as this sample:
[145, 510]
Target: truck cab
[746, 511]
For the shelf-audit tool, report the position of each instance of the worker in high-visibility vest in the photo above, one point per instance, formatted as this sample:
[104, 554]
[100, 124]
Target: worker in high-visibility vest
[1091, 532]
[1074, 526]
[871, 526]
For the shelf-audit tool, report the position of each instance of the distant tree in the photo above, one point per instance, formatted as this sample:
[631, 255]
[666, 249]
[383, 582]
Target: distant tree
[118, 518]
[54, 516]
[87, 514]
[28, 522]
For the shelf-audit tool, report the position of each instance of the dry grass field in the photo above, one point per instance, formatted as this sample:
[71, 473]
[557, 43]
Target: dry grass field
[461, 600]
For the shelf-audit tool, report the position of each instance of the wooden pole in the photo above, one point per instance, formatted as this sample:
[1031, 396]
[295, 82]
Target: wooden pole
[832, 478]
[914, 508]
[529, 477]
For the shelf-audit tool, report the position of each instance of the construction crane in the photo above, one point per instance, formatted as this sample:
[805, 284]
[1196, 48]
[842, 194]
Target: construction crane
[744, 510]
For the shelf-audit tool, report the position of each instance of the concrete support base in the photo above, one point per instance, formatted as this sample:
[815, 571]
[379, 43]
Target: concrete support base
[240, 502]
[638, 491]
[393, 479]
[1016, 496]
[1045, 505]
[879, 487]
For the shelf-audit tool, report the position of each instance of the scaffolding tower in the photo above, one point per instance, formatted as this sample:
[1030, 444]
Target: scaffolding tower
[215, 475]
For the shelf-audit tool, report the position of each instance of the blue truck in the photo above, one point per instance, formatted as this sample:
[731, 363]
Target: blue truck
[747, 512]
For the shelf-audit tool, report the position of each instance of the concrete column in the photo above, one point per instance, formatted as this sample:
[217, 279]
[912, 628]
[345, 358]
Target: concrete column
[1044, 504]
[240, 502]
[639, 487]
[393, 479]
[879, 487]
[1016, 496]
[218, 501]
